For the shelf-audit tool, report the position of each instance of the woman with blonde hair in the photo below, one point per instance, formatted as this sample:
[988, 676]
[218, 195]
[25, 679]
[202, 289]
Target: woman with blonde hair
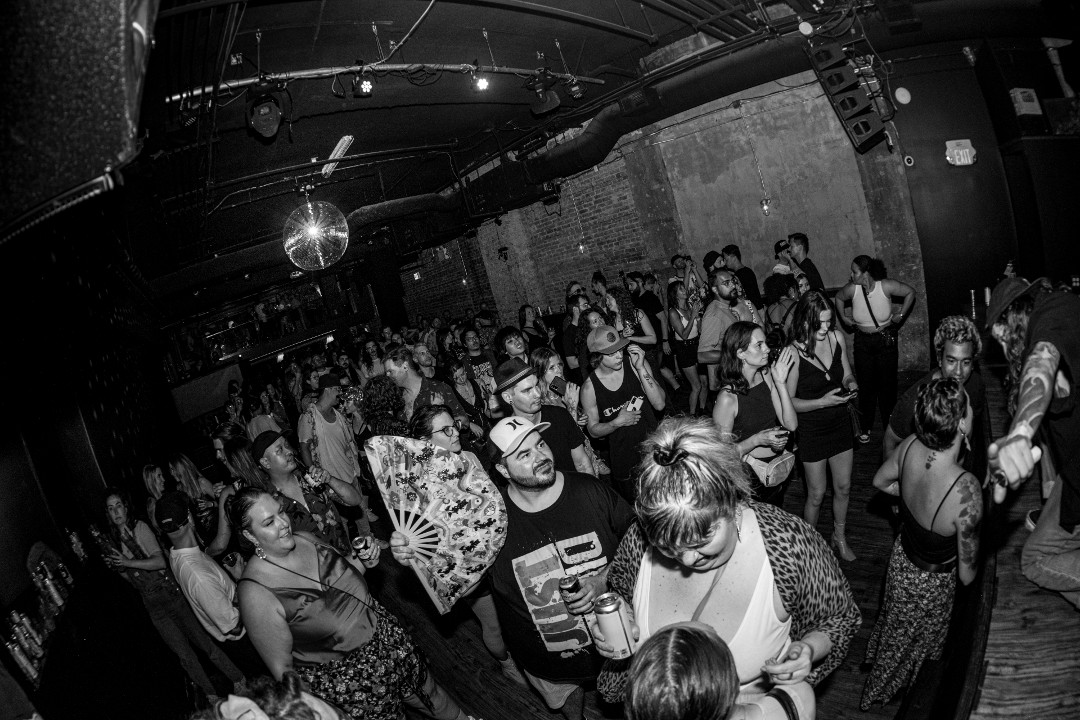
[703, 550]
[154, 480]
[206, 506]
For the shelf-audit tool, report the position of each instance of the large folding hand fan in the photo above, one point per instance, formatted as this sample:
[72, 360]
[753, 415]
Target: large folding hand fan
[447, 507]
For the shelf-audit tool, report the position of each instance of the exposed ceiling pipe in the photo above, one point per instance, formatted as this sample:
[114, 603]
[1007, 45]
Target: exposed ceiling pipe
[719, 77]
[715, 78]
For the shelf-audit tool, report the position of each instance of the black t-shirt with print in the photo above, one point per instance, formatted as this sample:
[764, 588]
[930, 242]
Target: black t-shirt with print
[563, 437]
[577, 535]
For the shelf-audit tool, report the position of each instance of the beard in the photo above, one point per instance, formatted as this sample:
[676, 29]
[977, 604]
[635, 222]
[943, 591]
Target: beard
[542, 477]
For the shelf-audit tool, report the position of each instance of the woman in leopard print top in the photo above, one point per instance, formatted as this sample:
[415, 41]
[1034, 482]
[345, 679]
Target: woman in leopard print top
[703, 550]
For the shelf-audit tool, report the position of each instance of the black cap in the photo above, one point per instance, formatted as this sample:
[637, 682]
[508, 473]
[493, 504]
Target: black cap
[171, 511]
[262, 442]
[329, 380]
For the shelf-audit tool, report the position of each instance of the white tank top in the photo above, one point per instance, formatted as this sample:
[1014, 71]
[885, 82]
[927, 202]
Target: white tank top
[879, 301]
[760, 637]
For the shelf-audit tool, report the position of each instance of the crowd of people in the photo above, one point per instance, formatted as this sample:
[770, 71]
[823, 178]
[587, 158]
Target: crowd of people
[642, 449]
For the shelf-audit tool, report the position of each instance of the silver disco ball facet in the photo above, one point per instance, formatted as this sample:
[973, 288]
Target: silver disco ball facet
[316, 235]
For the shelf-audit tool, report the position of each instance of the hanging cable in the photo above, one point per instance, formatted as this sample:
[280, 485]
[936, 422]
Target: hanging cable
[395, 48]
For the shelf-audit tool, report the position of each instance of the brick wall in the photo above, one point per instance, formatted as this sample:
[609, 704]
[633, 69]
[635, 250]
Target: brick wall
[452, 280]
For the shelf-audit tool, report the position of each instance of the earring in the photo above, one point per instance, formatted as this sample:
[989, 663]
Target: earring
[260, 552]
[967, 443]
[738, 524]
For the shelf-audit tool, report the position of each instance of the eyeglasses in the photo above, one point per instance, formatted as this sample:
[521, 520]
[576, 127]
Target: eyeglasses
[448, 431]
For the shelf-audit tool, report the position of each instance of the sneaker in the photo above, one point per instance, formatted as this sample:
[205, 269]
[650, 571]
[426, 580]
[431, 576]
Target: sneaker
[1032, 519]
[863, 438]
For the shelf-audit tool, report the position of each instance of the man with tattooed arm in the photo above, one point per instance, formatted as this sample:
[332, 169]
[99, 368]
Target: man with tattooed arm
[1039, 333]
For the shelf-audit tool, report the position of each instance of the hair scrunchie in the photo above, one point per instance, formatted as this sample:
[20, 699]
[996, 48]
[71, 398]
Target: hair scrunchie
[669, 456]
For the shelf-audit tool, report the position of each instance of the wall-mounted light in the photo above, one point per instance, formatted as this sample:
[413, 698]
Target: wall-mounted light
[363, 85]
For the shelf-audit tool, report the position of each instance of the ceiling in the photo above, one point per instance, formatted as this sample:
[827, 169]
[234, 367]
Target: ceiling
[211, 187]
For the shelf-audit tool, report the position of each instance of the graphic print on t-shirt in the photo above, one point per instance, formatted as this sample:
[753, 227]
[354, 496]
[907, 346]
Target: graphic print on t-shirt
[538, 574]
[637, 400]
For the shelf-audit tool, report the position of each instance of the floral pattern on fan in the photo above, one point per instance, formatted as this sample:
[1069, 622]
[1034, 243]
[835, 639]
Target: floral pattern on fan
[448, 508]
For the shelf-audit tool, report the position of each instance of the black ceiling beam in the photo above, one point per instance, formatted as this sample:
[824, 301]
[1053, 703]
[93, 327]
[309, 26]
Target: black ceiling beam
[666, 8]
[709, 15]
[568, 15]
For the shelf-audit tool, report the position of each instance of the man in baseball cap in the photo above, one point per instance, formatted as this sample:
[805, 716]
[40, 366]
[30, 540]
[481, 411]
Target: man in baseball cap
[310, 505]
[559, 524]
[1039, 334]
[517, 385]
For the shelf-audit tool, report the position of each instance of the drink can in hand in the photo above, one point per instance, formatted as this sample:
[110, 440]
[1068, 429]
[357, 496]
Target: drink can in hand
[614, 623]
[361, 545]
[569, 585]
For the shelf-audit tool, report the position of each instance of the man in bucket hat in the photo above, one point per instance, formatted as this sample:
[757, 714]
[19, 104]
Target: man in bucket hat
[1039, 335]
[619, 402]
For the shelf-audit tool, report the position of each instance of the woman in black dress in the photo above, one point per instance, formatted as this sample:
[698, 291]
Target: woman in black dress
[754, 407]
[820, 385]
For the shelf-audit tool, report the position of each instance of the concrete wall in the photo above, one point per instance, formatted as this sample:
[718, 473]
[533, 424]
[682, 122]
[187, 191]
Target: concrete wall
[690, 184]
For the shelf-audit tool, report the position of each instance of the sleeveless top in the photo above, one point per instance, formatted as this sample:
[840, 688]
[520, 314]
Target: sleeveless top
[919, 543]
[813, 382]
[879, 302]
[760, 636]
[756, 412]
[692, 324]
[624, 441]
[327, 623]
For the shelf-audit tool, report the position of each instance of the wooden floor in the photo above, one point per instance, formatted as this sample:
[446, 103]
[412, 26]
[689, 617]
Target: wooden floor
[1033, 657]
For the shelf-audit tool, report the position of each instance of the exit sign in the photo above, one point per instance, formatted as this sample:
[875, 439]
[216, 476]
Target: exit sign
[959, 153]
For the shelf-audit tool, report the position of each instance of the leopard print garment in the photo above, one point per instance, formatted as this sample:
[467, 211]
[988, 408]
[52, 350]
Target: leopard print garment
[812, 588]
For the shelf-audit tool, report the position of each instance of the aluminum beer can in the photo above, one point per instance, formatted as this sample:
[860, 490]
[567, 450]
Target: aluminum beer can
[614, 623]
[361, 544]
[569, 585]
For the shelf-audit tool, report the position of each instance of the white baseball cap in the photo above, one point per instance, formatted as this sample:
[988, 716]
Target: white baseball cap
[509, 432]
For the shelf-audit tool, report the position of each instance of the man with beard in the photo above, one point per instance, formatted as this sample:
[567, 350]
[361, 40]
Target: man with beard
[308, 499]
[957, 344]
[718, 317]
[518, 386]
[559, 524]
[417, 390]
[424, 360]
[620, 401]
[1039, 335]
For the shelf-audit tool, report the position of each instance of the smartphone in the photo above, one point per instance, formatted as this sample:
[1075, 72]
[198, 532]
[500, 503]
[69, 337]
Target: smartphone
[558, 386]
[635, 404]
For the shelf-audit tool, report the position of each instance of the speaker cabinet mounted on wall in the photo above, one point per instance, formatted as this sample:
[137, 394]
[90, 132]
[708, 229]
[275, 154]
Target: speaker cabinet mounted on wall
[848, 95]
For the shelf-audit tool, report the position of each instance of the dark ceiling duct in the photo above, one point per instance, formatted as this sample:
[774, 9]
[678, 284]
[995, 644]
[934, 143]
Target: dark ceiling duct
[401, 207]
[779, 57]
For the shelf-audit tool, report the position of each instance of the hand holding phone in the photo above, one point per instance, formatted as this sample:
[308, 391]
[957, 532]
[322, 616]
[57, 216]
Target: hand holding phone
[558, 386]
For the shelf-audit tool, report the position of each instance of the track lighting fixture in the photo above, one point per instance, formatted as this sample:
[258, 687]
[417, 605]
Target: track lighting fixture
[264, 108]
[547, 99]
[363, 85]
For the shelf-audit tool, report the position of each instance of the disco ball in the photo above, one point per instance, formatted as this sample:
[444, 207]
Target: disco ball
[315, 236]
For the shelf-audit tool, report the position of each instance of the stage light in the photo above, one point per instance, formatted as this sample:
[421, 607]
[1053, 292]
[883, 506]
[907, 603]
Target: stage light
[575, 89]
[540, 85]
[363, 85]
[264, 109]
[480, 83]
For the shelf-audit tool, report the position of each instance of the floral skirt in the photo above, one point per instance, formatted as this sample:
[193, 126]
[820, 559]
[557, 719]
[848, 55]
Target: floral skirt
[911, 627]
[371, 682]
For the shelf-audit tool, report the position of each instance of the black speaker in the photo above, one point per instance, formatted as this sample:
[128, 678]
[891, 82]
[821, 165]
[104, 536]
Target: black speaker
[72, 96]
[849, 99]
[823, 57]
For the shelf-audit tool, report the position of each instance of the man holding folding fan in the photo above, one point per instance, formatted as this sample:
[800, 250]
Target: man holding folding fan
[560, 524]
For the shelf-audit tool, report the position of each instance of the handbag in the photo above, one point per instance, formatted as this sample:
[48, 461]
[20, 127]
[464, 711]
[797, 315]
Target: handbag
[888, 335]
[771, 472]
[856, 423]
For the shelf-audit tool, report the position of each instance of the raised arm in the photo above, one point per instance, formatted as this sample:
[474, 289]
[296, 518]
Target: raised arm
[645, 376]
[1011, 457]
[646, 334]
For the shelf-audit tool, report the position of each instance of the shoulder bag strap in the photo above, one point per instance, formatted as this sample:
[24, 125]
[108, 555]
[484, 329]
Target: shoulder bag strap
[869, 309]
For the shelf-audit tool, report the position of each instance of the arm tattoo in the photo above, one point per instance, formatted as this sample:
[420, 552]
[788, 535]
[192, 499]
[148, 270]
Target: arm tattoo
[970, 516]
[1036, 386]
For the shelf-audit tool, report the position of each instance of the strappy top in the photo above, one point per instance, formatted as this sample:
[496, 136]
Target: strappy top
[918, 542]
[330, 622]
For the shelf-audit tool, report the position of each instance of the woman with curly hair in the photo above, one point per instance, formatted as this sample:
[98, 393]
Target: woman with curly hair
[940, 510]
[383, 408]
[510, 343]
[591, 318]
[371, 362]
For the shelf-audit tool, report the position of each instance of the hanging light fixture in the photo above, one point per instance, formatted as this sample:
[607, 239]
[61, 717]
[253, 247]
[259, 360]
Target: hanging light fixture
[316, 235]
[766, 201]
[574, 88]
